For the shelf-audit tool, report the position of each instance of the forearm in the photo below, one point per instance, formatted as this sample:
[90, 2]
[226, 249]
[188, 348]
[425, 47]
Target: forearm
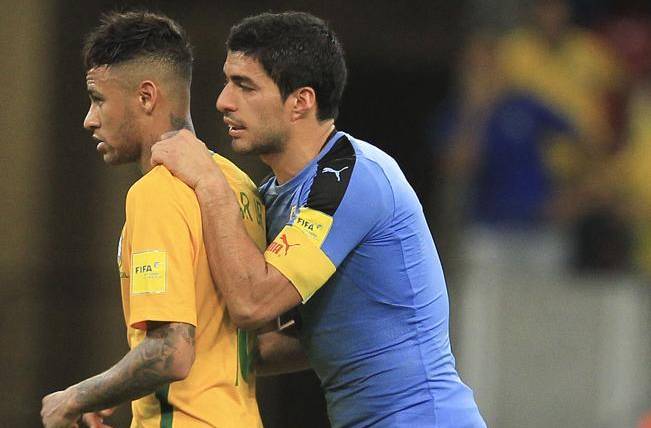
[278, 353]
[251, 290]
[164, 356]
[233, 256]
[254, 291]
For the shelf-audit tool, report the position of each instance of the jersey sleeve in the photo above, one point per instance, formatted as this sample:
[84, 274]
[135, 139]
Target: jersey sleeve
[160, 233]
[347, 202]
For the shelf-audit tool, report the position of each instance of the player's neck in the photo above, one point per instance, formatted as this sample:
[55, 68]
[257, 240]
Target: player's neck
[170, 122]
[300, 149]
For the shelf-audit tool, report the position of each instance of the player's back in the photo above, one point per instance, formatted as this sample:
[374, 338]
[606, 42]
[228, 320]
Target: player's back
[166, 277]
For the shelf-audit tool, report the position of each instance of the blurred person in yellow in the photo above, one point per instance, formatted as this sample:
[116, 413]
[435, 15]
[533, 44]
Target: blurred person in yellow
[574, 71]
[188, 365]
[633, 174]
[566, 66]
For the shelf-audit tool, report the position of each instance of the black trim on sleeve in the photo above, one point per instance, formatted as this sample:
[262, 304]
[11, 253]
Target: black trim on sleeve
[332, 177]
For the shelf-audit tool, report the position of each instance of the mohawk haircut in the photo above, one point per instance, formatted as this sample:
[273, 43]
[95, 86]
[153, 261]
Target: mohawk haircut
[139, 36]
[296, 49]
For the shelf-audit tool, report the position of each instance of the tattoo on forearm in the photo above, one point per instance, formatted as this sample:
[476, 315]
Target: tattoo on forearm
[140, 372]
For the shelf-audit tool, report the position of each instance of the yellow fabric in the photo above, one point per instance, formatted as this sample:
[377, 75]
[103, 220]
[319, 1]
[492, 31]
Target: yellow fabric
[314, 224]
[635, 168]
[149, 272]
[300, 259]
[163, 225]
[575, 76]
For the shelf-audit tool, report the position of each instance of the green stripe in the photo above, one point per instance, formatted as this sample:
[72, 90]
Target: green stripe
[243, 355]
[166, 409]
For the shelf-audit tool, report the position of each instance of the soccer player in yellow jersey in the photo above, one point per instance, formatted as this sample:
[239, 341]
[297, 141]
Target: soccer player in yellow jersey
[188, 365]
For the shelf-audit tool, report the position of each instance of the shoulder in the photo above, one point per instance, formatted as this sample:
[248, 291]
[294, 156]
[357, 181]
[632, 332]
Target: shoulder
[158, 176]
[352, 168]
[237, 179]
[332, 176]
[159, 187]
[373, 167]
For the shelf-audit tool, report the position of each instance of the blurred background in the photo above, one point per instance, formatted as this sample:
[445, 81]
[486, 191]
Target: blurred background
[524, 126]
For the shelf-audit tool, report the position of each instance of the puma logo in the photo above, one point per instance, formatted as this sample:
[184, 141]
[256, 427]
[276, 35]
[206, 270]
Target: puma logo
[283, 238]
[334, 171]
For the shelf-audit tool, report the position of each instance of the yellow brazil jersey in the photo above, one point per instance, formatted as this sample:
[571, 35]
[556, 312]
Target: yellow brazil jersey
[165, 277]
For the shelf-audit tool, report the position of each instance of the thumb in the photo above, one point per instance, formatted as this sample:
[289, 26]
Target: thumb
[155, 159]
[157, 153]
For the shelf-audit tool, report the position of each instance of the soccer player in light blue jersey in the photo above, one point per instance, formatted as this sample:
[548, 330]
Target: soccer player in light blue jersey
[348, 242]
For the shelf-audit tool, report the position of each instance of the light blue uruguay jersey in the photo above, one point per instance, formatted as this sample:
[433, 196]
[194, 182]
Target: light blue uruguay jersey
[349, 233]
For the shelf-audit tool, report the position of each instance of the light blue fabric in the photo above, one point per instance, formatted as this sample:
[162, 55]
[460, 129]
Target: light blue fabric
[377, 332]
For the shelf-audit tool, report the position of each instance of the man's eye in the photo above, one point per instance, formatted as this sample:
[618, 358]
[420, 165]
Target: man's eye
[244, 87]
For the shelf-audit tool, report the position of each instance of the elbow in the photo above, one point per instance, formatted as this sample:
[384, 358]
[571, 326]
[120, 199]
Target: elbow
[250, 318]
[181, 364]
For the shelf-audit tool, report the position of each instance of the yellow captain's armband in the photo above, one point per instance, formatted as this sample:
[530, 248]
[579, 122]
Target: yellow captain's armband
[149, 272]
[299, 258]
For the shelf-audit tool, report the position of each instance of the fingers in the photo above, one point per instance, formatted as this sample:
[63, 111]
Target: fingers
[92, 420]
[95, 420]
[161, 150]
[157, 155]
[107, 412]
[177, 147]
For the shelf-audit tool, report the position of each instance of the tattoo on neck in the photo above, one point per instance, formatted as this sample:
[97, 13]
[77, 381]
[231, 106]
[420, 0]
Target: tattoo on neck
[179, 123]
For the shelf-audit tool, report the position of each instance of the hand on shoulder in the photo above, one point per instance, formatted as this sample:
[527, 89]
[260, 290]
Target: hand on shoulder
[185, 155]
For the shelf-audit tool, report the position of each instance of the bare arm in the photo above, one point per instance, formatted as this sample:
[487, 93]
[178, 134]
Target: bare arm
[279, 353]
[255, 292]
[165, 355]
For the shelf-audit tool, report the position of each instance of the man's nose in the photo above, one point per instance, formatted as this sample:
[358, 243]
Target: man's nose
[91, 121]
[225, 100]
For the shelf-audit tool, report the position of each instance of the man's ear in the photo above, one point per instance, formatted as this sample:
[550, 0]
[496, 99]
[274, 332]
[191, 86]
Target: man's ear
[147, 95]
[304, 102]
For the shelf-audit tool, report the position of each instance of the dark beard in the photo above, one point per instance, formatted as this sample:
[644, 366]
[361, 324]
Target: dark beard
[272, 144]
[132, 150]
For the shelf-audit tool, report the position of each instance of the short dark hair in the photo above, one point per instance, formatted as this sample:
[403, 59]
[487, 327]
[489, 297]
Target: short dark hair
[295, 49]
[136, 35]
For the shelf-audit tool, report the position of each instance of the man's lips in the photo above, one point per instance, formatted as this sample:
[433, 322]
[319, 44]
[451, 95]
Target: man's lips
[101, 145]
[235, 132]
[235, 129]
